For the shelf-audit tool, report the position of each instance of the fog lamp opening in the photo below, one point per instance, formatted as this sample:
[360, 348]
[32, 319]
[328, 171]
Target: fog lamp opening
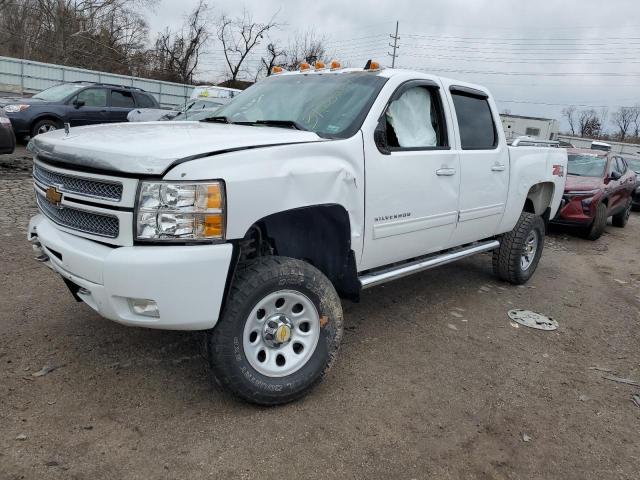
[142, 306]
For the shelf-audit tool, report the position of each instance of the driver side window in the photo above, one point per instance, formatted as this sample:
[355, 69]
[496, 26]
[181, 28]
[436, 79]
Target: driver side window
[93, 97]
[414, 120]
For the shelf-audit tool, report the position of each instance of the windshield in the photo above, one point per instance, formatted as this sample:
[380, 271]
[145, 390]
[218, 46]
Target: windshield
[586, 165]
[634, 163]
[331, 105]
[59, 92]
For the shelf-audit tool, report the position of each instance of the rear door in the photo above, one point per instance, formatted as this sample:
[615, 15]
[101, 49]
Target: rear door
[484, 165]
[122, 102]
[89, 107]
[412, 177]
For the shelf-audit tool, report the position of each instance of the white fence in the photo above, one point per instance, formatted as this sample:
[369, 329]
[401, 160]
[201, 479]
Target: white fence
[27, 77]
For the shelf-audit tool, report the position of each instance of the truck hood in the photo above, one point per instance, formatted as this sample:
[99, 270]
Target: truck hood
[576, 183]
[152, 148]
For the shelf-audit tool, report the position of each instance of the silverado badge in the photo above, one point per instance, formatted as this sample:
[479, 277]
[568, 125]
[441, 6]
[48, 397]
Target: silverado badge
[54, 196]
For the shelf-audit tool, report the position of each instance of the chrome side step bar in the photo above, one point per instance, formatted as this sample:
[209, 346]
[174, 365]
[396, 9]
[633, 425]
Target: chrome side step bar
[378, 277]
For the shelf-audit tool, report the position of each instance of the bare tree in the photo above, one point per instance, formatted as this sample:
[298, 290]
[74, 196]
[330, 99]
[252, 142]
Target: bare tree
[84, 33]
[239, 36]
[589, 123]
[275, 56]
[623, 119]
[570, 114]
[177, 54]
[305, 48]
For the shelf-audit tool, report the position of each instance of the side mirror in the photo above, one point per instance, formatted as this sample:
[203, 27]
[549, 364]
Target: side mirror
[380, 136]
[615, 175]
[78, 103]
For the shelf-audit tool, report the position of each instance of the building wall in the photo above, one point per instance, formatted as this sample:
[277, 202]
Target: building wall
[26, 77]
[540, 128]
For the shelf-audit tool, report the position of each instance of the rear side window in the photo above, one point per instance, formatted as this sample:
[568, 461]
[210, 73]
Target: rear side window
[144, 100]
[122, 99]
[477, 130]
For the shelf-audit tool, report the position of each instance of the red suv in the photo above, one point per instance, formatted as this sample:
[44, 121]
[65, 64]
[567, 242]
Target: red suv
[599, 185]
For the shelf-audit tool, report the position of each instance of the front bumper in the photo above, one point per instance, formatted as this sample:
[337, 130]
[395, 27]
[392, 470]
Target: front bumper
[186, 282]
[572, 211]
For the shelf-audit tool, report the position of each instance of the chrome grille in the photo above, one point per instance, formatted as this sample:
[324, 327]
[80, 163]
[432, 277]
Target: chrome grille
[79, 185]
[81, 220]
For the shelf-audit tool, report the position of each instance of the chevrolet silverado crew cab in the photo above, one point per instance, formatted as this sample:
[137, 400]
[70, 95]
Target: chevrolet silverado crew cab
[307, 187]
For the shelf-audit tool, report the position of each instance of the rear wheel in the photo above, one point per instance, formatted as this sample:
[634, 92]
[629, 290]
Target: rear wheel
[620, 219]
[44, 126]
[596, 229]
[520, 250]
[279, 333]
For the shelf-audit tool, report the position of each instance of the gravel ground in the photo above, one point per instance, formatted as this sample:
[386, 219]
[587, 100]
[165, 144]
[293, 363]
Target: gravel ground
[432, 380]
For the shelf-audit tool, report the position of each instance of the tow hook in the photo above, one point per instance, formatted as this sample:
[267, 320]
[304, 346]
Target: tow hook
[37, 247]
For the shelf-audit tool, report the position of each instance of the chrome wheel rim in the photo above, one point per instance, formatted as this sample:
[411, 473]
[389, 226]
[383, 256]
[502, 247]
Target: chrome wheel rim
[46, 128]
[281, 333]
[530, 249]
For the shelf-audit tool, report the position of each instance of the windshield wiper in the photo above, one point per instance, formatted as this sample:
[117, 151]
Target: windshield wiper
[216, 119]
[276, 123]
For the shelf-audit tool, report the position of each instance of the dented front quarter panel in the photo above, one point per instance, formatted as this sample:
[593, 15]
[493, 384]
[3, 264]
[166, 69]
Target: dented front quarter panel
[264, 181]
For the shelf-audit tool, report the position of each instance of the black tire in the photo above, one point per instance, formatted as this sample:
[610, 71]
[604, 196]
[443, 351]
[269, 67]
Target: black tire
[253, 282]
[46, 123]
[620, 219]
[599, 223]
[507, 264]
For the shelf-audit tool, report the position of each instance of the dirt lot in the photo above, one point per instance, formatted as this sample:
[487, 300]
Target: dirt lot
[432, 380]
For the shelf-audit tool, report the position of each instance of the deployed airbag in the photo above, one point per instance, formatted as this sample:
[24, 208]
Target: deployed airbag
[410, 117]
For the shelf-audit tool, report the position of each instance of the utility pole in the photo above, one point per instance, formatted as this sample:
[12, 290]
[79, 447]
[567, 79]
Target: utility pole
[395, 47]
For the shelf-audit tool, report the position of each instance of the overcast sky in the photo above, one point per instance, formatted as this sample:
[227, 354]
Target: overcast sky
[535, 56]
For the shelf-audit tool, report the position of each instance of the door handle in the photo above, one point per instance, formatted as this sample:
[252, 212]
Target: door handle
[498, 167]
[445, 172]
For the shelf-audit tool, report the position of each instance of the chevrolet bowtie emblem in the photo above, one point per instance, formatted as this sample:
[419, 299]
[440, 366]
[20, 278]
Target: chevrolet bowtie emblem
[54, 196]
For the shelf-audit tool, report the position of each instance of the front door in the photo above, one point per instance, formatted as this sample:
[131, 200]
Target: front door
[412, 178]
[484, 165]
[89, 107]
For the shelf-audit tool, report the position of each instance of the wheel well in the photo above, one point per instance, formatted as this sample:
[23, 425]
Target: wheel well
[319, 235]
[43, 117]
[539, 198]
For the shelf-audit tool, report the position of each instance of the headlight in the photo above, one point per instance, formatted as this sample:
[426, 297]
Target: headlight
[15, 108]
[178, 211]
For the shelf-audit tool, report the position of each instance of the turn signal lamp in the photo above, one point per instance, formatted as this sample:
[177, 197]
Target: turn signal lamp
[319, 65]
[304, 66]
[335, 65]
[276, 70]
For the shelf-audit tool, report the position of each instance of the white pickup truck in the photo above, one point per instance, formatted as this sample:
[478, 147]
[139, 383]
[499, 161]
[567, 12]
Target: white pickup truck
[307, 187]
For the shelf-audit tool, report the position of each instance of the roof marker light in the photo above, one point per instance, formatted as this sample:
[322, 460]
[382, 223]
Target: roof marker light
[372, 66]
[304, 66]
[335, 65]
[276, 70]
[319, 65]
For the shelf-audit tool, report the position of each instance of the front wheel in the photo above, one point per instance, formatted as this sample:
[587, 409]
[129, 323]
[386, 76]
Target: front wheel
[620, 219]
[279, 333]
[520, 250]
[597, 227]
[44, 126]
